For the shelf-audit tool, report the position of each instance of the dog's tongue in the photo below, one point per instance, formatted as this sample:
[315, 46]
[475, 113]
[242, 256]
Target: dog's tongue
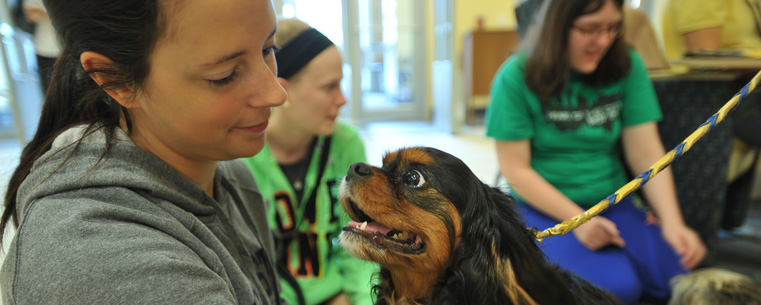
[370, 226]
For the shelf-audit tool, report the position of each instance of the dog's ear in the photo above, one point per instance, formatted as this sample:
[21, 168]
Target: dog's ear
[384, 288]
[497, 260]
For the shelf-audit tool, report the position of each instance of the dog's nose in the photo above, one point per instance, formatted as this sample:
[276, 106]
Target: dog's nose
[359, 169]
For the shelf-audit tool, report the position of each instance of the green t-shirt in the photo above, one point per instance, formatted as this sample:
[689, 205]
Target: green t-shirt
[321, 267]
[575, 136]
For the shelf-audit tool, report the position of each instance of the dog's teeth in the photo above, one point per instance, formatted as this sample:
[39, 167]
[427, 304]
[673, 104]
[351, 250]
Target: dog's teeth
[402, 235]
[363, 226]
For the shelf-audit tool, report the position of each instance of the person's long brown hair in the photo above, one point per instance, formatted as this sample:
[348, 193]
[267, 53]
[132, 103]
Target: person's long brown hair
[546, 46]
[125, 31]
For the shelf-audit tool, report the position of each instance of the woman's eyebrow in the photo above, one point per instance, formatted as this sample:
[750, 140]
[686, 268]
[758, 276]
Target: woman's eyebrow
[224, 59]
[233, 55]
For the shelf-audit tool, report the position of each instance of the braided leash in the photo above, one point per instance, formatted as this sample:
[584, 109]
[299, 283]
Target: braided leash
[663, 162]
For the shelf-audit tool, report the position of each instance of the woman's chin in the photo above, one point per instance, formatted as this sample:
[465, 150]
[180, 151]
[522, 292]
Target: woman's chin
[251, 149]
[588, 68]
[326, 129]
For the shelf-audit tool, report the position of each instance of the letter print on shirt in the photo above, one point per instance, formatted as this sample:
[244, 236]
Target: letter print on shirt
[601, 112]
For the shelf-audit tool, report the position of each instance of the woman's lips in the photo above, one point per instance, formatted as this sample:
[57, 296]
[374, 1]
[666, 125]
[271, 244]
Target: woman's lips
[255, 128]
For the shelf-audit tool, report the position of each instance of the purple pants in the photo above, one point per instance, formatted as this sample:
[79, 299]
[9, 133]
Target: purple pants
[639, 271]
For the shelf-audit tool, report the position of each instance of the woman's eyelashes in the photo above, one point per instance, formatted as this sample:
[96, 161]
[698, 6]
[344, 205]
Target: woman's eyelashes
[270, 51]
[331, 87]
[225, 80]
[219, 82]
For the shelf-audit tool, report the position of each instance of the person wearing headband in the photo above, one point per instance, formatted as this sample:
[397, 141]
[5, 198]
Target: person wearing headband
[300, 168]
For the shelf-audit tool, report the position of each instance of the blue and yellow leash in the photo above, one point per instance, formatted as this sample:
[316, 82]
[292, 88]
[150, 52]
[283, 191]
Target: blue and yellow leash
[663, 162]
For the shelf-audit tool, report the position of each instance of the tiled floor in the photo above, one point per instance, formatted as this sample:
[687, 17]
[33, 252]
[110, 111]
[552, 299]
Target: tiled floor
[470, 144]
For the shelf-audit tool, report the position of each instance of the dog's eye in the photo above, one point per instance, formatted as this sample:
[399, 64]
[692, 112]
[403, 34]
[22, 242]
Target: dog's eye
[414, 178]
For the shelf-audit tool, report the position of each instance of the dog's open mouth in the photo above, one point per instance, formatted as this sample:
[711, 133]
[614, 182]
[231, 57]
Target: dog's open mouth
[383, 236]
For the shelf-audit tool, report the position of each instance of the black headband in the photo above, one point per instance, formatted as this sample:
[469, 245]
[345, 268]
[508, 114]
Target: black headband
[298, 52]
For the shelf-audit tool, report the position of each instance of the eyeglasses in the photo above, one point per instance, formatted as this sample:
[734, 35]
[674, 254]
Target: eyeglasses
[595, 32]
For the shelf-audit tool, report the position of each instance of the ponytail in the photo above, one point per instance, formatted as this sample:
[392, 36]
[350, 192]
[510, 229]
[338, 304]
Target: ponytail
[72, 99]
[125, 32]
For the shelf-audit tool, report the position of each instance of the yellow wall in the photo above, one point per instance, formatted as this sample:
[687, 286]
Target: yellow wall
[430, 54]
[497, 14]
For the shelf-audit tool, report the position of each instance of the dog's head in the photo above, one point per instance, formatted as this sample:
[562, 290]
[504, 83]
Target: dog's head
[402, 213]
[439, 233]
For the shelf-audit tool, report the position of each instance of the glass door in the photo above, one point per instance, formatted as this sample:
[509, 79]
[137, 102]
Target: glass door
[383, 44]
[327, 16]
[323, 15]
[442, 70]
[20, 90]
[386, 40]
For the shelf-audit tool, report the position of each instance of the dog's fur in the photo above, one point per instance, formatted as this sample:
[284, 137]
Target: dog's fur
[711, 286]
[459, 240]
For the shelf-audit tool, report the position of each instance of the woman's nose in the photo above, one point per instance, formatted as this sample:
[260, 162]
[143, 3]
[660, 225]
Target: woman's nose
[270, 92]
[341, 98]
[605, 38]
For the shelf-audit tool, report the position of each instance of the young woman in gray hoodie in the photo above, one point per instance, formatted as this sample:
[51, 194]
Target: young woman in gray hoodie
[125, 194]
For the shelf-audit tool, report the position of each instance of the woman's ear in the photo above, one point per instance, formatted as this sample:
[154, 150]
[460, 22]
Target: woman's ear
[92, 62]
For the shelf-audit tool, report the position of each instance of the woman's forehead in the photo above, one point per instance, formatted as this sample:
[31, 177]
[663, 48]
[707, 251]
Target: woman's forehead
[324, 64]
[185, 18]
[609, 13]
[209, 29]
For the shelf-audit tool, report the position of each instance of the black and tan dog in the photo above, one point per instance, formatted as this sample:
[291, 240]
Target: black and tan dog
[442, 236]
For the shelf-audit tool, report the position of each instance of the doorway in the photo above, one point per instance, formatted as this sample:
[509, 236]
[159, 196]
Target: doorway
[384, 45]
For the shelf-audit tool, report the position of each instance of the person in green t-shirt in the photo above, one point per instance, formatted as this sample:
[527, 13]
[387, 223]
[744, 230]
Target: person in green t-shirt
[565, 113]
[300, 168]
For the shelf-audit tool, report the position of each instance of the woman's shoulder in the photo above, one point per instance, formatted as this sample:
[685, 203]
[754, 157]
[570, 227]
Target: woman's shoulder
[346, 145]
[638, 72]
[346, 127]
[66, 217]
[512, 69]
[636, 59]
[239, 173]
[346, 132]
[96, 202]
[63, 236]
[234, 169]
[515, 63]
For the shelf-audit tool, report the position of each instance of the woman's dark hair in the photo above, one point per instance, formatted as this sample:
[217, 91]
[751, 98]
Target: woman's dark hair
[125, 31]
[546, 47]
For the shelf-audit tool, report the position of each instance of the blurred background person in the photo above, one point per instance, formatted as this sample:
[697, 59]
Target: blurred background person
[710, 25]
[704, 27]
[300, 168]
[46, 44]
[131, 190]
[569, 114]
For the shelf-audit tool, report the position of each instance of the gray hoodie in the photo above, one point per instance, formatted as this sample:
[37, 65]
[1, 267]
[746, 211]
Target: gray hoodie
[126, 228]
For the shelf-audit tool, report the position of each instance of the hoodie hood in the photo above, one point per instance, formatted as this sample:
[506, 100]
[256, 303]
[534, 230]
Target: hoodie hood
[103, 221]
[71, 165]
